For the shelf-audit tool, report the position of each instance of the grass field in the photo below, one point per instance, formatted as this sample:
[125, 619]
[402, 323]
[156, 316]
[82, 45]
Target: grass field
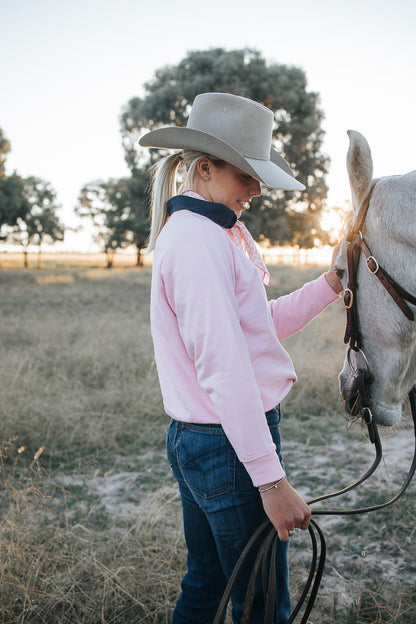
[91, 520]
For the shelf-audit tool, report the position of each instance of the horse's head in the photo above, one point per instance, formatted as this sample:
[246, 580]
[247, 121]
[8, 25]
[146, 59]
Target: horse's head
[387, 354]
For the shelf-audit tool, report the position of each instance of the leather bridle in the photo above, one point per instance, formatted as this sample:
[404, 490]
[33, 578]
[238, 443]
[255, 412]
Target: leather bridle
[357, 245]
[265, 562]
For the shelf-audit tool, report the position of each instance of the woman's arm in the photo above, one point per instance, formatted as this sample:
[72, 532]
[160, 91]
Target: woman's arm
[290, 313]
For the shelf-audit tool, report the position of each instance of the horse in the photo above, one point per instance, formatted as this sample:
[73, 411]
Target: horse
[382, 348]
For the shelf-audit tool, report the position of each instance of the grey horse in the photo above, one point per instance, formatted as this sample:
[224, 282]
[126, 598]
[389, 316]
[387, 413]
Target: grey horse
[388, 336]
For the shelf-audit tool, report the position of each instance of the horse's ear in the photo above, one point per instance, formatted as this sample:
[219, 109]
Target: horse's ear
[359, 167]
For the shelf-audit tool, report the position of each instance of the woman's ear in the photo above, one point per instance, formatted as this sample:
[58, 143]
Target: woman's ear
[204, 168]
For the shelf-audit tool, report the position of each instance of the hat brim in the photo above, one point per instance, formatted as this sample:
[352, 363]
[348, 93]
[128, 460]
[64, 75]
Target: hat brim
[274, 173]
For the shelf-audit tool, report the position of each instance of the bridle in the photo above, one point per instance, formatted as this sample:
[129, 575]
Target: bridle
[265, 539]
[357, 245]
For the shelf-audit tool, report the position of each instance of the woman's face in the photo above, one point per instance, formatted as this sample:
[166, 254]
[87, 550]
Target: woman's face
[227, 185]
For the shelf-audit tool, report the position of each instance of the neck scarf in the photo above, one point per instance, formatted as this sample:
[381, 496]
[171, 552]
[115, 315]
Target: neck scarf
[242, 238]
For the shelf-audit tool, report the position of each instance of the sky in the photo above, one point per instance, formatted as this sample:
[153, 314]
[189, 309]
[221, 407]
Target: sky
[69, 67]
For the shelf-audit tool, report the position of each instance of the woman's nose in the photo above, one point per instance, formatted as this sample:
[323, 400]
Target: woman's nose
[255, 189]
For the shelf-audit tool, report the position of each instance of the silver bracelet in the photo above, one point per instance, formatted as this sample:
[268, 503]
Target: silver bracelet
[273, 485]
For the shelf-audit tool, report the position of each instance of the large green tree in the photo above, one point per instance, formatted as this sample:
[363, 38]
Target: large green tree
[278, 217]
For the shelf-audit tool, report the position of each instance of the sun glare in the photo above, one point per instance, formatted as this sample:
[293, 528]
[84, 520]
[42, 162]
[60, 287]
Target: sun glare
[331, 221]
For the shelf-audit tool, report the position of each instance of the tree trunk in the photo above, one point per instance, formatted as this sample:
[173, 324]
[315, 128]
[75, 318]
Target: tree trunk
[139, 260]
[110, 258]
[25, 259]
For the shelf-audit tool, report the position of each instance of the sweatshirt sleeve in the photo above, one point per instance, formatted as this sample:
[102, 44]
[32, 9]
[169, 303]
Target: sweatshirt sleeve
[292, 312]
[199, 281]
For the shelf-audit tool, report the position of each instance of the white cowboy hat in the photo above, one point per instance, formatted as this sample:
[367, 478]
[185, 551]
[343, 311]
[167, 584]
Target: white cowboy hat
[234, 129]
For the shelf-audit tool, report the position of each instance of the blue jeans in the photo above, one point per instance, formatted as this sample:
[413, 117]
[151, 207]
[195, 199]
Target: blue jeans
[221, 511]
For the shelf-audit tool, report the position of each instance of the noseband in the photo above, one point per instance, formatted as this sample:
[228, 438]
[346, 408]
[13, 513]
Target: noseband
[265, 539]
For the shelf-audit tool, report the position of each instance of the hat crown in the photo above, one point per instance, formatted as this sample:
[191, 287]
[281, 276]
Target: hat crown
[245, 125]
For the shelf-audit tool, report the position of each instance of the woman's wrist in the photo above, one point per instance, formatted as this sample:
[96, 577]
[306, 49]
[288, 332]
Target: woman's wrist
[334, 281]
[270, 486]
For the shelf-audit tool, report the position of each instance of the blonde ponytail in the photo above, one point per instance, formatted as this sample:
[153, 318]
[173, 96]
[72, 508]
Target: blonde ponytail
[163, 188]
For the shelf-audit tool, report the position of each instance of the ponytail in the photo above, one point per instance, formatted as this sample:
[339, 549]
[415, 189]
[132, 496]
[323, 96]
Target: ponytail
[163, 188]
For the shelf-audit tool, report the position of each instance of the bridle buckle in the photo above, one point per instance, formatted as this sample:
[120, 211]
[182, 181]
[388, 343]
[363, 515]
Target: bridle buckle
[348, 298]
[372, 265]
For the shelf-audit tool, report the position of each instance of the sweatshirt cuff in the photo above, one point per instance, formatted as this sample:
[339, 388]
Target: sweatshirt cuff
[265, 469]
[329, 293]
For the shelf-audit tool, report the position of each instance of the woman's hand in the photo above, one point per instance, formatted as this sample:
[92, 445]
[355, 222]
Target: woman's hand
[333, 275]
[285, 509]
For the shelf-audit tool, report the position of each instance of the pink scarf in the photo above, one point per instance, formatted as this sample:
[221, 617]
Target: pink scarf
[244, 241]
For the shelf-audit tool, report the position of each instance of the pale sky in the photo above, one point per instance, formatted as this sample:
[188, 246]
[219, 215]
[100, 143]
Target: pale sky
[69, 66]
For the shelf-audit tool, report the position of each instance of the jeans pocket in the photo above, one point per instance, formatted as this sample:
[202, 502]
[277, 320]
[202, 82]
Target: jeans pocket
[207, 461]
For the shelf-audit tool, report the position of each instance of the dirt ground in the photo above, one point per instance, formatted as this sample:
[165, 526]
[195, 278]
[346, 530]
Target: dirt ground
[358, 548]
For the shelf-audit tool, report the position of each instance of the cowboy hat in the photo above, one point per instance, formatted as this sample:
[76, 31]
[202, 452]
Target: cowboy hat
[234, 129]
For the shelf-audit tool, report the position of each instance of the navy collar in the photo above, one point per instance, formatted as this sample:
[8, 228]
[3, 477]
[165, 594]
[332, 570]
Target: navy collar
[219, 213]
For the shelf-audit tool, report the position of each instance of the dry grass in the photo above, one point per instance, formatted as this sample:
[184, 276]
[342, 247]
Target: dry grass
[58, 570]
[91, 528]
[76, 362]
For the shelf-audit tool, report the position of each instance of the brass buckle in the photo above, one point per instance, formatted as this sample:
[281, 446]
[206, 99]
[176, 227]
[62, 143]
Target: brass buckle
[369, 260]
[348, 298]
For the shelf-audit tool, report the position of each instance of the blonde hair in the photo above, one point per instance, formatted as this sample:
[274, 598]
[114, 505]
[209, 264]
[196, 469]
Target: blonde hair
[165, 185]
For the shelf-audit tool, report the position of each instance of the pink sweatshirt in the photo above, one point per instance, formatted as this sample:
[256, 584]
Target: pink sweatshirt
[216, 337]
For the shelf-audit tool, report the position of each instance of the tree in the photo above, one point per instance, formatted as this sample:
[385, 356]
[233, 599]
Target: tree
[13, 203]
[119, 210]
[129, 197]
[40, 221]
[297, 130]
[93, 203]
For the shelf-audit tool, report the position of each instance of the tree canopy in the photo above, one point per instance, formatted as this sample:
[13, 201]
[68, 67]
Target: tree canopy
[279, 216]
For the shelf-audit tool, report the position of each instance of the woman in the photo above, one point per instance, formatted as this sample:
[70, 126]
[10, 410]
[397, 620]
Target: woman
[221, 367]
